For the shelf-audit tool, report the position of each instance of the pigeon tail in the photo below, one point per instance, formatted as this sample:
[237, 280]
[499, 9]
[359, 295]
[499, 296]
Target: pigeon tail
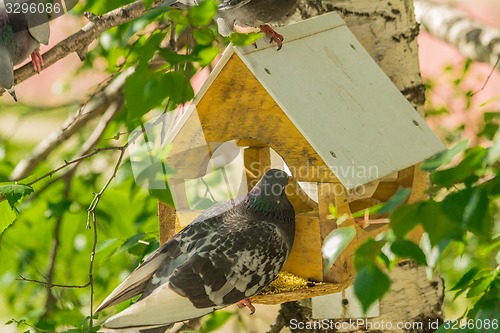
[161, 308]
[156, 329]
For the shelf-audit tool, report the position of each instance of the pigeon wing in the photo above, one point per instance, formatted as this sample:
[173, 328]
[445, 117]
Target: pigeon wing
[157, 268]
[229, 267]
[6, 65]
[38, 27]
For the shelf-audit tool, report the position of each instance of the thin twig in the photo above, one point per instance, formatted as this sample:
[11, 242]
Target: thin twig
[488, 78]
[54, 285]
[68, 163]
[92, 216]
[24, 322]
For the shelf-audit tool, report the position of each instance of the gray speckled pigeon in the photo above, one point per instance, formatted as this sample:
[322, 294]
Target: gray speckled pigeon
[20, 36]
[249, 13]
[227, 254]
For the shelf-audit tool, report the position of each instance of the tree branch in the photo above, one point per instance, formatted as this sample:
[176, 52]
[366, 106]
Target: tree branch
[80, 41]
[473, 39]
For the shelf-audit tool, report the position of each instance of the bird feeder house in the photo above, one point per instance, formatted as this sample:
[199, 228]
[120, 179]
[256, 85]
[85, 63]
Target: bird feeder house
[337, 121]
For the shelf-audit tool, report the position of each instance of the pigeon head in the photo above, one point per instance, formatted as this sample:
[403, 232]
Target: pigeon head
[268, 197]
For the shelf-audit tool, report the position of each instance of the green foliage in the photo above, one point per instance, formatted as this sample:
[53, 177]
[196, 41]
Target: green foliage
[14, 192]
[460, 221]
[370, 284]
[464, 216]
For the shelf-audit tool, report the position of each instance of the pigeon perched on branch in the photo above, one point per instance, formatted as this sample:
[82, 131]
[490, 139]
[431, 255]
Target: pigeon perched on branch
[227, 254]
[249, 13]
[20, 37]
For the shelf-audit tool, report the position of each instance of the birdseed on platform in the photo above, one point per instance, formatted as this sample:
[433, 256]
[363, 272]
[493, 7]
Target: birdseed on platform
[286, 282]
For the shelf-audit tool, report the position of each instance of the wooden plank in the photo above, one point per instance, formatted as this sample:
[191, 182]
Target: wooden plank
[257, 161]
[342, 269]
[305, 259]
[358, 122]
[289, 296]
[166, 222]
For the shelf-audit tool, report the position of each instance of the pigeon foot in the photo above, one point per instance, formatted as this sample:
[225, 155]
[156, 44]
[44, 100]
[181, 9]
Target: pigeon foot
[246, 302]
[37, 61]
[273, 35]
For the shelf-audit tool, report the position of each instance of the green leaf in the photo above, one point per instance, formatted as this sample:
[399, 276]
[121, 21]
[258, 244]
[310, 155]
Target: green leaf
[146, 90]
[489, 130]
[395, 201]
[7, 216]
[476, 214]
[479, 287]
[437, 224]
[207, 55]
[131, 241]
[106, 244]
[240, 39]
[175, 58]
[203, 36]
[370, 285]
[202, 14]
[367, 253]
[408, 249]
[216, 320]
[444, 157]
[469, 208]
[149, 46]
[142, 247]
[466, 279]
[494, 152]
[179, 87]
[404, 219]
[58, 208]
[334, 244]
[179, 17]
[472, 161]
[14, 192]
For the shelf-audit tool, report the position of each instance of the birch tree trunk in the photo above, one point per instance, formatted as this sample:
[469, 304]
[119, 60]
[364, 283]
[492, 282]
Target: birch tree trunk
[388, 31]
[473, 39]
